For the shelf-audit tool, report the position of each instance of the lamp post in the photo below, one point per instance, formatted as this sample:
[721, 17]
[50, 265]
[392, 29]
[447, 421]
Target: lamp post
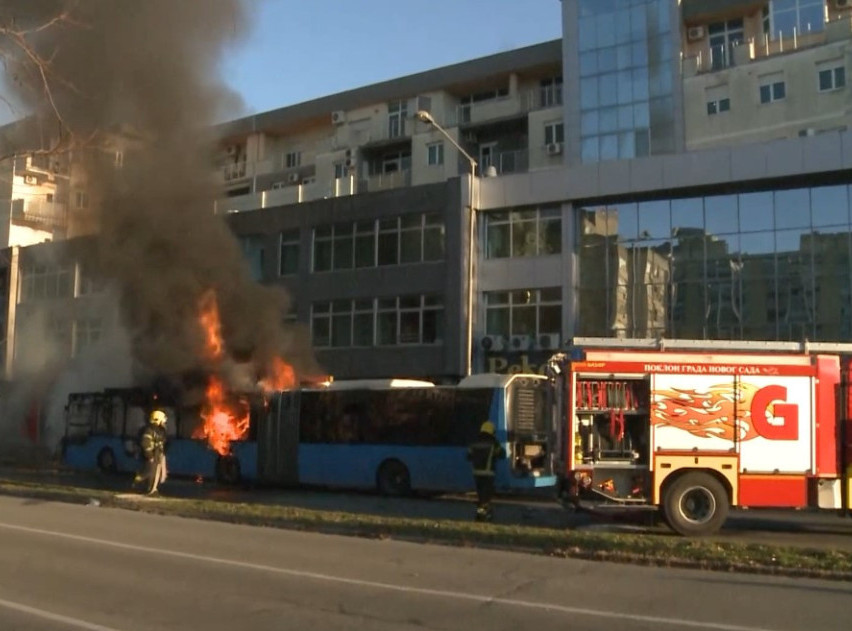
[425, 117]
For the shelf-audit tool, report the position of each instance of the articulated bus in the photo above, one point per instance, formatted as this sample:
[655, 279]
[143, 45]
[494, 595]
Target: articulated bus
[403, 436]
[395, 436]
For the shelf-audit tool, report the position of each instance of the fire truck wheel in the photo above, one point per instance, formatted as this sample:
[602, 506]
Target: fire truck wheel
[106, 460]
[228, 470]
[393, 479]
[695, 504]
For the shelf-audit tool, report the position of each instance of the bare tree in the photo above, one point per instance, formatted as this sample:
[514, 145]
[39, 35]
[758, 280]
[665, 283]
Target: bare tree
[28, 51]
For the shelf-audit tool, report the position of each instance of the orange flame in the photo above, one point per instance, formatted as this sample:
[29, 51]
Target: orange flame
[720, 411]
[224, 420]
[212, 325]
[280, 376]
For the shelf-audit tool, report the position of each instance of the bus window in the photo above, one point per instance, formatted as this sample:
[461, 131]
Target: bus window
[472, 408]
[136, 420]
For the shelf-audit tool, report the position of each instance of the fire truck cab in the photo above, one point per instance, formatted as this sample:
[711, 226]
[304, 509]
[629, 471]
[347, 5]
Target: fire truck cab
[693, 427]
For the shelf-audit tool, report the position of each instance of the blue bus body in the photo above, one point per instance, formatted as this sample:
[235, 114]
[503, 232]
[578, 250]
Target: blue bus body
[102, 428]
[291, 450]
[406, 436]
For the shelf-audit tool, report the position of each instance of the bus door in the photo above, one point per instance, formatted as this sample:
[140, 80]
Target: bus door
[278, 441]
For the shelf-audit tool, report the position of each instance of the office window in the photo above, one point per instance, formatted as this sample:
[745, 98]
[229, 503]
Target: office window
[40, 282]
[88, 283]
[414, 319]
[435, 153]
[774, 91]
[288, 252]
[719, 105]
[523, 311]
[411, 238]
[553, 132]
[365, 243]
[87, 332]
[363, 322]
[409, 320]
[253, 253]
[292, 159]
[523, 232]
[832, 78]
[321, 323]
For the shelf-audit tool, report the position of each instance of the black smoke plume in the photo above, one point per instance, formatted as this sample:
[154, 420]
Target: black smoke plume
[141, 78]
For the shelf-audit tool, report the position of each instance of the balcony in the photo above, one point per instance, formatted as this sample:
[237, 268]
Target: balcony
[39, 164]
[42, 213]
[717, 58]
[507, 106]
[285, 196]
[505, 162]
[385, 181]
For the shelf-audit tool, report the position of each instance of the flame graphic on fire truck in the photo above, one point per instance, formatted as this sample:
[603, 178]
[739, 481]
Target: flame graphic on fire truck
[718, 411]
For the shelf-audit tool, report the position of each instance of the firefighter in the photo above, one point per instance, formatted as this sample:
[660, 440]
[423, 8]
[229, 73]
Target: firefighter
[152, 444]
[483, 454]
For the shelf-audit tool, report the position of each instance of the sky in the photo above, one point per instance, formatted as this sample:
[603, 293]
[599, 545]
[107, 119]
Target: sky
[299, 50]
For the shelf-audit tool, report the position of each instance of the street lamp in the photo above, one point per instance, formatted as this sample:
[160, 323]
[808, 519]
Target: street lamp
[425, 117]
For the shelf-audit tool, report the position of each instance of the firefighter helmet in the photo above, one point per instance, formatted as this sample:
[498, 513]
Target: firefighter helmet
[487, 428]
[158, 417]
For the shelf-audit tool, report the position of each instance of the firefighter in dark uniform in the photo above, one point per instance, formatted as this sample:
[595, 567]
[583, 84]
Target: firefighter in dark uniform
[483, 454]
[152, 444]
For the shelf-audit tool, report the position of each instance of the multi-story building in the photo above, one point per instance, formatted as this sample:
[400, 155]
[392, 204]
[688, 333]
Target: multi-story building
[672, 168]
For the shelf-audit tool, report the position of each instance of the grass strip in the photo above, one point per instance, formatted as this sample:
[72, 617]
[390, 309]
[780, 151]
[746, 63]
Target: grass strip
[646, 549]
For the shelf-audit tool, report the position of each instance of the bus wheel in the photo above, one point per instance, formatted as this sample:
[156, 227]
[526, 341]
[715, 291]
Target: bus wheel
[695, 504]
[106, 461]
[228, 470]
[393, 479]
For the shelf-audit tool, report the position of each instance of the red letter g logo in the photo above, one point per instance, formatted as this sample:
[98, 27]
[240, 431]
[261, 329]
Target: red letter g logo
[787, 412]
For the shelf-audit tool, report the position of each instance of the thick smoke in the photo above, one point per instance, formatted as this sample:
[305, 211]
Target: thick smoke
[141, 77]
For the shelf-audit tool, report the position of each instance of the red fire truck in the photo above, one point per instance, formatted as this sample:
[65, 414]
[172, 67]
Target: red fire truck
[692, 427]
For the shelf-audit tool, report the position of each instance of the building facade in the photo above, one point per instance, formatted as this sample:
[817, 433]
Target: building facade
[667, 169]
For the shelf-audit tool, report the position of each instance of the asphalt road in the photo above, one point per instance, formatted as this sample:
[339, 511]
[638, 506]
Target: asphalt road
[70, 567]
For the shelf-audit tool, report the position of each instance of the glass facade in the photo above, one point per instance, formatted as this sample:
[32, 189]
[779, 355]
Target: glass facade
[626, 76]
[772, 265]
[526, 232]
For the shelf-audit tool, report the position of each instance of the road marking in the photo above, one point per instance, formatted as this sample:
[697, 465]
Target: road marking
[477, 598]
[54, 617]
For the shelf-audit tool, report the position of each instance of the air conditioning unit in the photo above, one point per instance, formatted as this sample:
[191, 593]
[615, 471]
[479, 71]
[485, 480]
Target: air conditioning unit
[520, 342]
[694, 33]
[554, 148]
[293, 178]
[492, 343]
[338, 117]
[30, 179]
[548, 341]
